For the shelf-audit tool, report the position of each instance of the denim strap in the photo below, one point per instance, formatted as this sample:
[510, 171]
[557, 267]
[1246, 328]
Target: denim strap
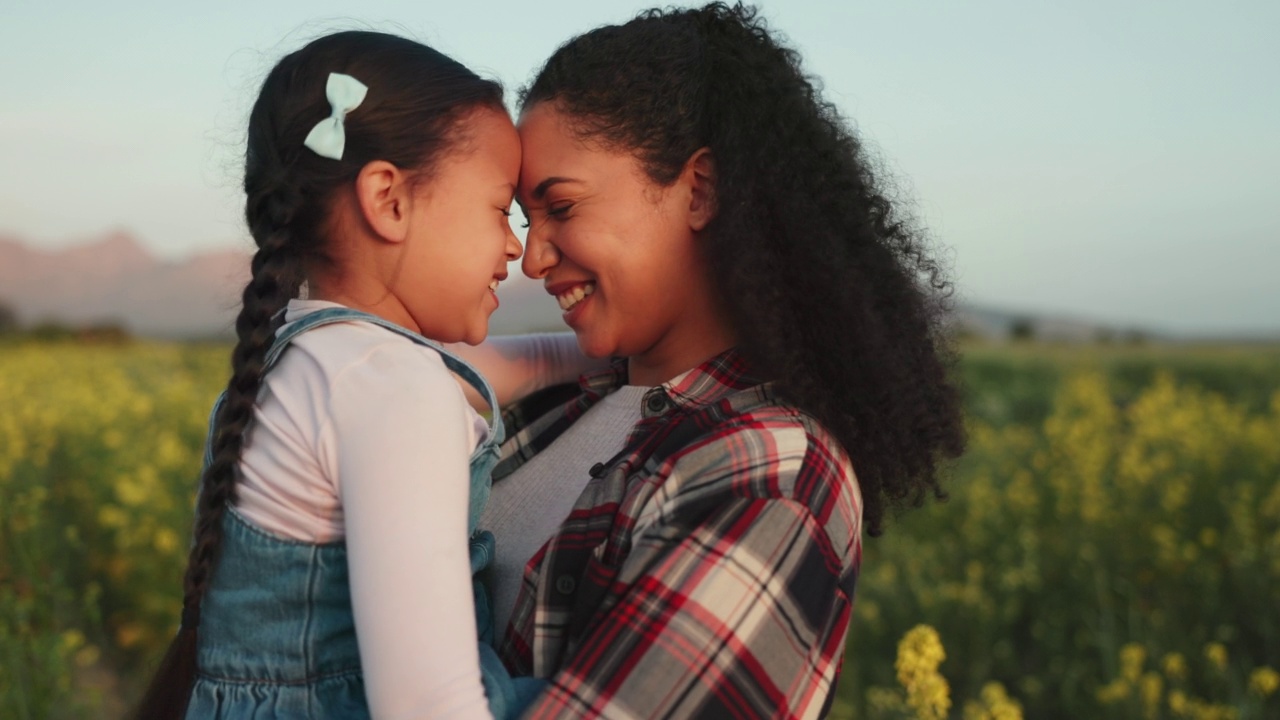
[329, 316]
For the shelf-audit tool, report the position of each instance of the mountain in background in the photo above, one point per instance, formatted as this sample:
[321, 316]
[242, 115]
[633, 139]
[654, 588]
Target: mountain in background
[992, 324]
[115, 280]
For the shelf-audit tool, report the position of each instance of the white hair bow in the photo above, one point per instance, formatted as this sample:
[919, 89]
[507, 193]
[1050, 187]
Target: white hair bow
[328, 138]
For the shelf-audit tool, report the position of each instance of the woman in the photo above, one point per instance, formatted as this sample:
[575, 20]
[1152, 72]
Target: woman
[703, 216]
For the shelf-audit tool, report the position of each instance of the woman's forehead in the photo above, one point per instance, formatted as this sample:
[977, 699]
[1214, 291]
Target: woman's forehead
[555, 153]
[550, 132]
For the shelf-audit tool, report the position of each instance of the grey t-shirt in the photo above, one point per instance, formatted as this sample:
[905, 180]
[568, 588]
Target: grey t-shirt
[525, 509]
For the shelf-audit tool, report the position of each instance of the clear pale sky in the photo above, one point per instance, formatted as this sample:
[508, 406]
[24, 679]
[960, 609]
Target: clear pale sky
[1110, 161]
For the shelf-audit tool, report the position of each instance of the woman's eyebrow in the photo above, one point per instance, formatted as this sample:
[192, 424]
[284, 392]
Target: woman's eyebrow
[540, 191]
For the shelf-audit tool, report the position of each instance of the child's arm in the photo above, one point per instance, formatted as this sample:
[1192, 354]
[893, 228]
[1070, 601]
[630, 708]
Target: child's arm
[402, 435]
[517, 365]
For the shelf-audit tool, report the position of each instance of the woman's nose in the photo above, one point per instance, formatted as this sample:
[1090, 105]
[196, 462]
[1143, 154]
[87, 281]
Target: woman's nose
[540, 255]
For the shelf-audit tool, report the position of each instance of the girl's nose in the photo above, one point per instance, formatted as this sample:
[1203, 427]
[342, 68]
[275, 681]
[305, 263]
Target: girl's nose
[540, 255]
[514, 250]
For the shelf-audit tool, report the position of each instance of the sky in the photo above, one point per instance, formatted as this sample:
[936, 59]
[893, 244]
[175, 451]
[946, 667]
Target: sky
[1117, 162]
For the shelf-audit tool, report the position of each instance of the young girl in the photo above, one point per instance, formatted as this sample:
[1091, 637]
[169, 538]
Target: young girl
[330, 573]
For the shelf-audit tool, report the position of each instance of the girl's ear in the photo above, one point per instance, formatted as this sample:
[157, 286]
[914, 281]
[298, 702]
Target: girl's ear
[385, 195]
[700, 174]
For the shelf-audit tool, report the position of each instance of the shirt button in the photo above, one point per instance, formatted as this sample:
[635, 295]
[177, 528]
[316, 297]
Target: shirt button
[657, 402]
[565, 584]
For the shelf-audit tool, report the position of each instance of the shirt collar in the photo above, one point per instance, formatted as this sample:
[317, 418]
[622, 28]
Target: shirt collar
[707, 383]
[595, 384]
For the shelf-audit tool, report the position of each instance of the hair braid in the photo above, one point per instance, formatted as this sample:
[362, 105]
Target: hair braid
[410, 118]
[276, 276]
[277, 273]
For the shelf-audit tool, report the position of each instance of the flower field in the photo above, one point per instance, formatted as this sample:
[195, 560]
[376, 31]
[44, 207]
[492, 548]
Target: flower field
[1110, 547]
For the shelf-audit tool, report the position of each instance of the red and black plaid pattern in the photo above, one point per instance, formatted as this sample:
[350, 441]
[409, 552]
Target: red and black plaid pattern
[706, 571]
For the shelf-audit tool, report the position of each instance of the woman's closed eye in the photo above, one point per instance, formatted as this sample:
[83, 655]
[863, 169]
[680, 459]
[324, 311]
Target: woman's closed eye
[559, 212]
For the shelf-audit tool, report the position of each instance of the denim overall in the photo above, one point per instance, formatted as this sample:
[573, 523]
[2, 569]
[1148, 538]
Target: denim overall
[277, 635]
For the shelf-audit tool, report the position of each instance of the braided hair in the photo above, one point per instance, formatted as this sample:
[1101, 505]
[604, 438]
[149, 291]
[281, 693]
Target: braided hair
[410, 118]
[828, 288]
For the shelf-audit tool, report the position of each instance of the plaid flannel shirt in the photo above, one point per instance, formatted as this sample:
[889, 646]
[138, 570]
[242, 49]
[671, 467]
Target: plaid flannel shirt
[708, 570]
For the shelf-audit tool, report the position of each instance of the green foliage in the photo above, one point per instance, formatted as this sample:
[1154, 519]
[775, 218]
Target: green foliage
[1109, 500]
[1114, 531]
[99, 450]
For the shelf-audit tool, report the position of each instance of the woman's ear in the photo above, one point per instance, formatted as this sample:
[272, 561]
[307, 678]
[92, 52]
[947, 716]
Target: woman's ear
[700, 174]
[384, 195]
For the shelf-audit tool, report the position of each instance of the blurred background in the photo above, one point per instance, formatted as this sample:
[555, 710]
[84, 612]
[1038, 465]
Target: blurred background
[1101, 177]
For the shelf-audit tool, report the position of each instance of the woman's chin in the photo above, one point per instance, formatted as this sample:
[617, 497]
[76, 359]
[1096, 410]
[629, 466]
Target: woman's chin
[594, 346]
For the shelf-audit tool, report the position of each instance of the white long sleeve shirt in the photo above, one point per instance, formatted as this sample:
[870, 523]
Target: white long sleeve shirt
[361, 434]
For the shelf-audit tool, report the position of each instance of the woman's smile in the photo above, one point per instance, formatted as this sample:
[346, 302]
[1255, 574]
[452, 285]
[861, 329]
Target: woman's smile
[571, 294]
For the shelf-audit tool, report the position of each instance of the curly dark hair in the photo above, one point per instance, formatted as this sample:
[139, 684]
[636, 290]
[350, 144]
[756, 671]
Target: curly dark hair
[828, 287]
[410, 118]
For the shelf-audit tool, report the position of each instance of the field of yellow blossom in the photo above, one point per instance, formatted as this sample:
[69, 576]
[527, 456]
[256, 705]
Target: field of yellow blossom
[99, 446]
[1110, 548]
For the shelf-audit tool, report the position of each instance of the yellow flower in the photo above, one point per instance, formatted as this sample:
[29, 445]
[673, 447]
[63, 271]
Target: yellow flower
[919, 654]
[995, 705]
[166, 540]
[1264, 681]
[72, 640]
[1178, 702]
[1175, 666]
[1208, 711]
[1152, 688]
[1114, 691]
[1132, 658]
[1216, 653]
